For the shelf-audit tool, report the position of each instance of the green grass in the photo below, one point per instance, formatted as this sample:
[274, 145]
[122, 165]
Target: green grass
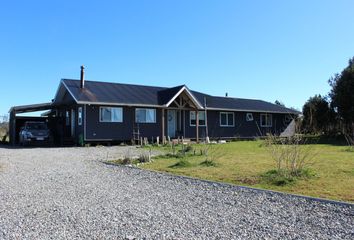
[248, 163]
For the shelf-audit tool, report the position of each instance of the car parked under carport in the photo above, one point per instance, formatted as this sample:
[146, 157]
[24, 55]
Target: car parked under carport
[35, 132]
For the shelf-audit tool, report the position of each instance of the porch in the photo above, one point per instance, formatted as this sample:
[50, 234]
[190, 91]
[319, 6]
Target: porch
[182, 114]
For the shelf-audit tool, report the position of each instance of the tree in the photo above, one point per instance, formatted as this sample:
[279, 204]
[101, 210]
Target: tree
[4, 118]
[277, 102]
[317, 115]
[342, 96]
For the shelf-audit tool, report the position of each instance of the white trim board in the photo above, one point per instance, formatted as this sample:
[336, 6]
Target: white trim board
[184, 88]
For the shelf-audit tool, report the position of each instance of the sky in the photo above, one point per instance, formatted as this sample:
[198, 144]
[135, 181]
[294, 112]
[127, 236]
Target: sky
[269, 50]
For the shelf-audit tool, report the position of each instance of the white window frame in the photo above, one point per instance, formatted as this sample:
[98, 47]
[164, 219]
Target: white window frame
[79, 116]
[266, 115]
[227, 119]
[249, 117]
[199, 113]
[145, 109]
[111, 121]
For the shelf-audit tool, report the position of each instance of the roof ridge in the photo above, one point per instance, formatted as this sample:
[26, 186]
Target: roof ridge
[116, 83]
[236, 98]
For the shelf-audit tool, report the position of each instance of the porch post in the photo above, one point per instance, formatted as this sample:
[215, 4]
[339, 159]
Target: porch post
[163, 126]
[196, 126]
[12, 127]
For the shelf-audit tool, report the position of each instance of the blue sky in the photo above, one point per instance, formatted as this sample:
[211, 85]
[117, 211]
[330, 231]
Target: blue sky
[285, 50]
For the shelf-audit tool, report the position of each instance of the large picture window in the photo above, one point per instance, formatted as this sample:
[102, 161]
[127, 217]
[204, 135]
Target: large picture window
[266, 120]
[145, 115]
[227, 119]
[111, 114]
[201, 118]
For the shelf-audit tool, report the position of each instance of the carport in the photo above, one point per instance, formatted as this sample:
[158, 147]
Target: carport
[16, 122]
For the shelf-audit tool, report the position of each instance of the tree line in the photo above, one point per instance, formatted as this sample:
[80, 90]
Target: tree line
[332, 114]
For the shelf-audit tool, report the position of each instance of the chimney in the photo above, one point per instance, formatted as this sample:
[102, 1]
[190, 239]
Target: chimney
[226, 95]
[82, 79]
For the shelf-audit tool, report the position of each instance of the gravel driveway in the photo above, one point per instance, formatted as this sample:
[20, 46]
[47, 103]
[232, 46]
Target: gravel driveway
[69, 193]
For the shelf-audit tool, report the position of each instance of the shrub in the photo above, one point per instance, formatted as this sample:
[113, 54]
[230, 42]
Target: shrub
[144, 158]
[127, 161]
[281, 178]
[188, 148]
[277, 178]
[183, 163]
[208, 163]
[290, 154]
[127, 158]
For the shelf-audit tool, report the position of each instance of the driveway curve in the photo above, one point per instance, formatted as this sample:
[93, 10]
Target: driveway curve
[69, 193]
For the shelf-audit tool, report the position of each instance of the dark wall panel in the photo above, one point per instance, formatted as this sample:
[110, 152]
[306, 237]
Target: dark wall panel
[241, 128]
[96, 130]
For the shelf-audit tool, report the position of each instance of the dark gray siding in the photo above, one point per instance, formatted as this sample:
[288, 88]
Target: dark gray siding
[107, 131]
[96, 130]
[241, 128]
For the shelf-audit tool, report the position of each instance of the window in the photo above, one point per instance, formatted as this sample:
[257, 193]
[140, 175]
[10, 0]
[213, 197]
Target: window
[111, 114]
[79, 118]
[227, 119]
[145, 115]
[67, 118]
[266, 120]
[249, 117]
[201, 118]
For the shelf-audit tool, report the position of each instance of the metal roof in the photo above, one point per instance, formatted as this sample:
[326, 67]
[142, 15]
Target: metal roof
[241, 104]
[31, 108]
[128, 94]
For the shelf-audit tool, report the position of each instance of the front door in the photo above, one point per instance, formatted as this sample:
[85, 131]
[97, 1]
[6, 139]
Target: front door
[171, 123]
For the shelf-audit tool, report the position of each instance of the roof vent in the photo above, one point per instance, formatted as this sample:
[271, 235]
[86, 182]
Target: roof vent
[226, 94]
[82, 79]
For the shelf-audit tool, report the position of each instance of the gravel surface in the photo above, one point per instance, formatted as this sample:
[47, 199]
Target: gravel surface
[69, 193]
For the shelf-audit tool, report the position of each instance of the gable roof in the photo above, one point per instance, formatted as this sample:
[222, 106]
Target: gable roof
[106, 93]
[167, 94]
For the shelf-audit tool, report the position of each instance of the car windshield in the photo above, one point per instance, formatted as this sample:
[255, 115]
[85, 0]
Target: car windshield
[36, 126]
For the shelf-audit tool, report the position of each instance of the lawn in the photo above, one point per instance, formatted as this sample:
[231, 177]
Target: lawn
[245, 162]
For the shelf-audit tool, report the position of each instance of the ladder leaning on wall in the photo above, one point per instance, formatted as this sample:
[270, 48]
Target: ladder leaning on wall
[136, 134]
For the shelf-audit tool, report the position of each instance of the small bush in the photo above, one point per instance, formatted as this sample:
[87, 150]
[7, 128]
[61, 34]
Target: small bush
[144, 158]
[281, 178]
[188, 148]
[127, 161]
[183, 163]
[277, 178]
[127, 158]
[208, 163]
[290, 155]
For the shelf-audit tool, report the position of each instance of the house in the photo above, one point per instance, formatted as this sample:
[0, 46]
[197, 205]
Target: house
[90, 111]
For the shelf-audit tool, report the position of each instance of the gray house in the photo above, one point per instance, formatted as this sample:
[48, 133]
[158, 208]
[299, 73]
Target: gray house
[89, 111]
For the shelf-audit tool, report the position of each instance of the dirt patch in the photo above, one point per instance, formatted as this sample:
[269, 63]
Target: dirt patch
[248, 180]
